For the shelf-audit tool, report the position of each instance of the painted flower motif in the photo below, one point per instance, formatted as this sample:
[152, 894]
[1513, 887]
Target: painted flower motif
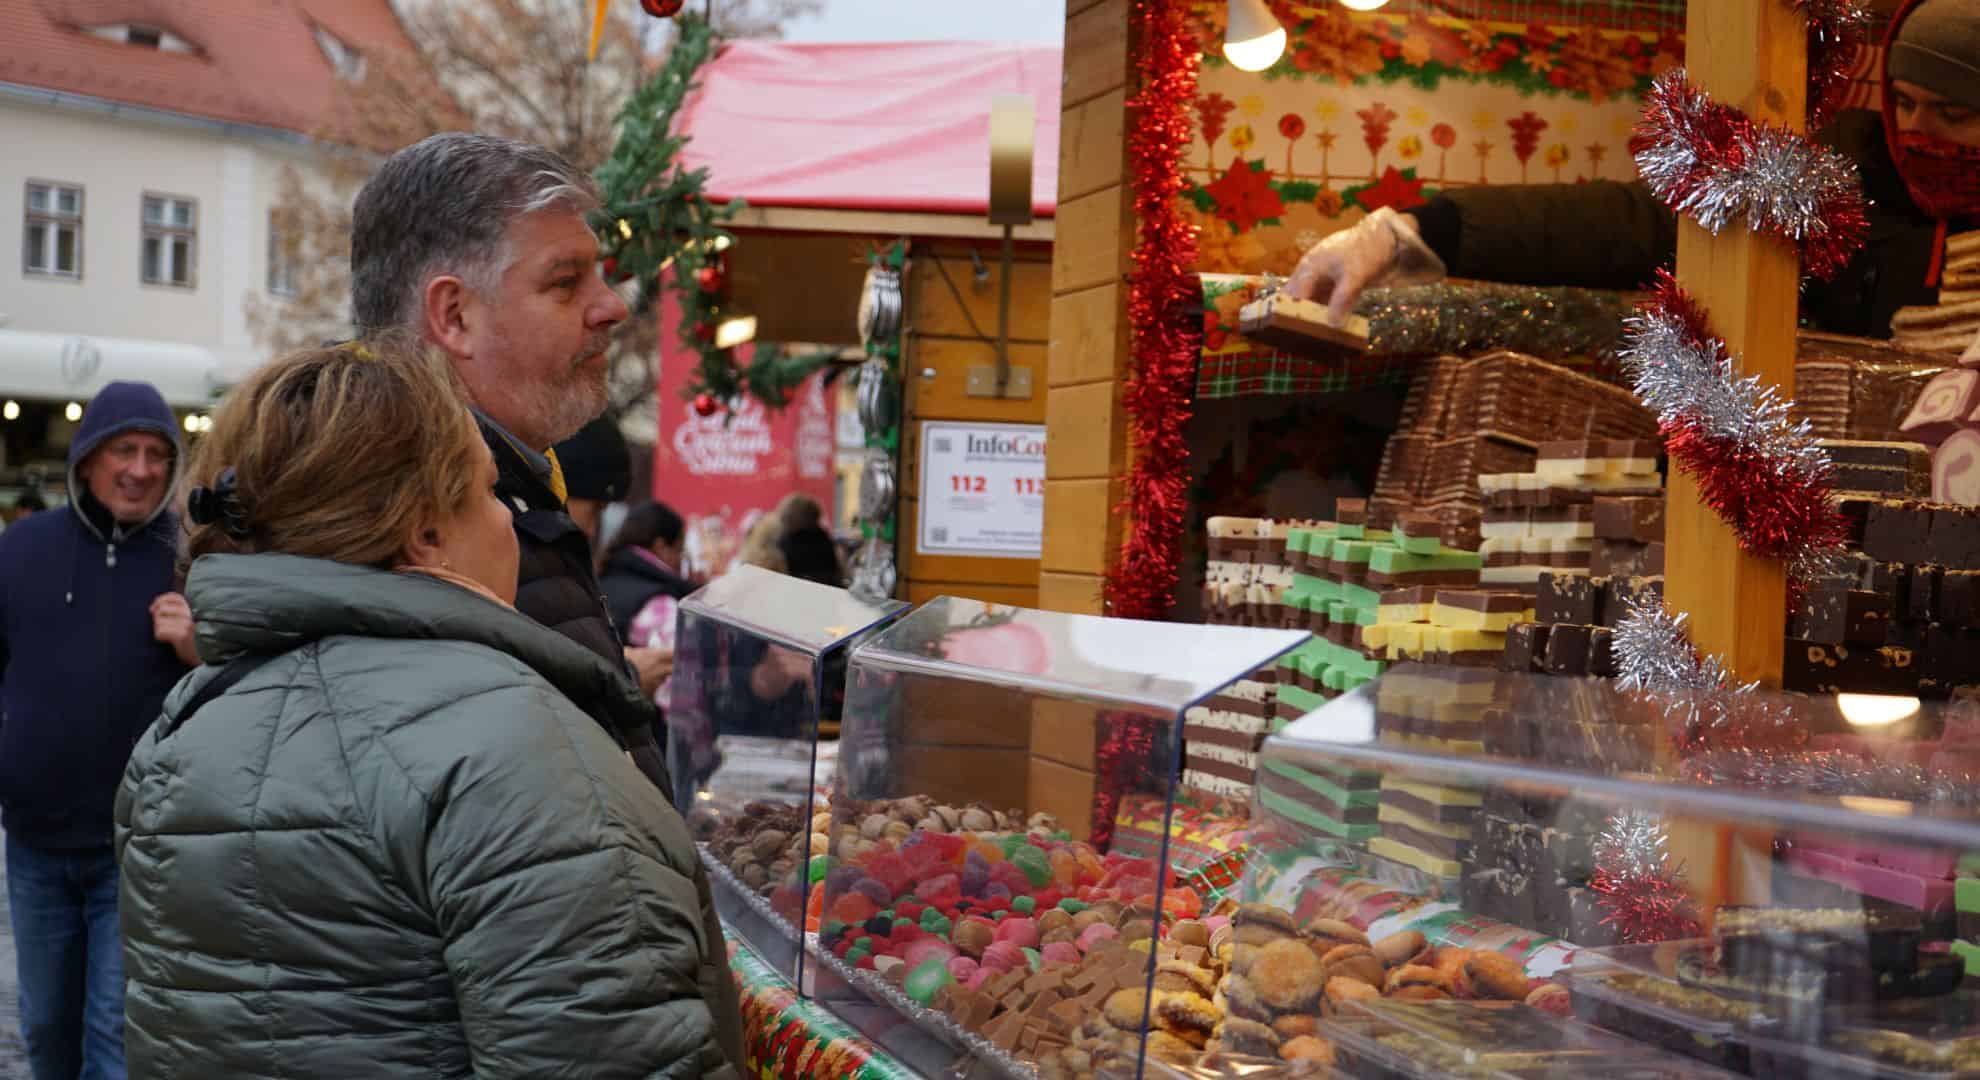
[1444, 135]
[1393, 189]
[1411, 147]
[1416, 116]
[1244, 196]
[1327, 109]
[1212, 110]
[1329, 203]
[1291, 126]
[1558, 155]
[1375, 121]
[1326, 139]
[1243, 138]
[1252, 105]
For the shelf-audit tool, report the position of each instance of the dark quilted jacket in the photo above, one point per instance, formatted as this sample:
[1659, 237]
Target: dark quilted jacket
[404, 846]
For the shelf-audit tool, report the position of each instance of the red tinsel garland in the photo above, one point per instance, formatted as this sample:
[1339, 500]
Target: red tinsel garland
[1126, 743]
[1779, 511]
[1836, 30]
[1163, 312]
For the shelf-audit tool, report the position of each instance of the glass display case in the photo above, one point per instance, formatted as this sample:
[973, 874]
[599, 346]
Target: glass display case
[998, 838]
[752, 711]
[1459, 872]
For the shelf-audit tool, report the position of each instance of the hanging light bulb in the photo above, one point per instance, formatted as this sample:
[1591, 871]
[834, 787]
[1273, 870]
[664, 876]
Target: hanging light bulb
[11, 410]
[1362, 5]
[1253, 39]
[73, 412]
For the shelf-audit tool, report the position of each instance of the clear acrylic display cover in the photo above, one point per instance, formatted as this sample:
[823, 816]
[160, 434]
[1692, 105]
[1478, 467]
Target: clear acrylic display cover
[759, 670]
[1769, 884]
[970, 920]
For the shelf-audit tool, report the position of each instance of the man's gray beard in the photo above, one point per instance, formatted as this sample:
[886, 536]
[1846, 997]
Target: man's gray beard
[562, 410]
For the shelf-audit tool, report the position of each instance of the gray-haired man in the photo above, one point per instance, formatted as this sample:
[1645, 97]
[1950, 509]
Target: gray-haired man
[480, 246]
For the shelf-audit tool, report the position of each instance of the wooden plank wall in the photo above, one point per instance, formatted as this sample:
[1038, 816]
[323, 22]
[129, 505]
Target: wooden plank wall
[1086, 430]
[951, 327]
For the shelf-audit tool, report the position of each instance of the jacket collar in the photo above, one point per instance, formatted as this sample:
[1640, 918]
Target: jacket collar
[275, 603]
[520, 482]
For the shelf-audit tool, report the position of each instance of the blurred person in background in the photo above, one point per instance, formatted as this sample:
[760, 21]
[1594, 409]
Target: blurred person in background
[391, 829]
[91, 639]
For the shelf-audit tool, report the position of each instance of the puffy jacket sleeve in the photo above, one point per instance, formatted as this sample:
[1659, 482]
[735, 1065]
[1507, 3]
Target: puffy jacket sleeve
[1601, 234]
[561, 886]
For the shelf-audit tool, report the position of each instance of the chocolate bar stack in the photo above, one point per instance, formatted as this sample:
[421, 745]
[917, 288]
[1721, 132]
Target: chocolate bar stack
[1531, 863]
[1427, 823]
[1950, 325]
[1340, 573]
[1221, 738]
[1248, 572]
[1461, 627]
[1904, 617]
[1463, 419]
[1576, 610]
[1544, 520]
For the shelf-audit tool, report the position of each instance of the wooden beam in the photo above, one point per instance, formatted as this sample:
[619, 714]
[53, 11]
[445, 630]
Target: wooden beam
[1753, 54]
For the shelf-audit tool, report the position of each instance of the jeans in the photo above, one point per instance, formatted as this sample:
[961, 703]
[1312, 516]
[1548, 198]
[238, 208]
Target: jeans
[64, 906]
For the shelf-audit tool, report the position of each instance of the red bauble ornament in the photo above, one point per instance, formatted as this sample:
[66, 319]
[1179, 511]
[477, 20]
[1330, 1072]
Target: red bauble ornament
[705, 404]
[704, 331]
[662, 9]
[709, 279]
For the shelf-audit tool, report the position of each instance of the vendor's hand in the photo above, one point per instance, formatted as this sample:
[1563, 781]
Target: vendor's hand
[1380, 249]
[172, 624]
[652, 665]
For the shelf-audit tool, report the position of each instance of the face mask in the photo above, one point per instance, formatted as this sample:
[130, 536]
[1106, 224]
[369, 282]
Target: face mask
[1943, 176]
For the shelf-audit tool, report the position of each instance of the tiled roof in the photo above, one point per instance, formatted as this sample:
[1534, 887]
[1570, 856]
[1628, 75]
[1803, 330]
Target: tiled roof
[254, 61]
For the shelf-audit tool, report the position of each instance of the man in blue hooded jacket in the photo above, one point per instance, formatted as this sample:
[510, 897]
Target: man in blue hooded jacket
[91, 638]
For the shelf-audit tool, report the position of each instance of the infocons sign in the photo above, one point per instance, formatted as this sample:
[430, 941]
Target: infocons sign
[722, 472]
[982, 490]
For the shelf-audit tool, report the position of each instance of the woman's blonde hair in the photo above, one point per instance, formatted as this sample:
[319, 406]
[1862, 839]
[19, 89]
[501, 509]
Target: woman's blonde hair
[337, 453]
[763, 544]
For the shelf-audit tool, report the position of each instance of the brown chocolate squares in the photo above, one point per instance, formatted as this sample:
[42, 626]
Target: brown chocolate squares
[1639, 519]
[1351, 511]
[1834, 616]
[1815, 668]
[1894, 468]
[1955, 537]
[1526, 647]
[1625, 558]
[1900, 531]
[1569, 598]
[1623, 595]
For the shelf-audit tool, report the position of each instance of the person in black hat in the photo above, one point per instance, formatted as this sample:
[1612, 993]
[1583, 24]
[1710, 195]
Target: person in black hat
[597, 472]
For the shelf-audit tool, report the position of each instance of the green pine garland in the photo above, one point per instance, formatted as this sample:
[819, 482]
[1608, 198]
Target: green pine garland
[658, 227]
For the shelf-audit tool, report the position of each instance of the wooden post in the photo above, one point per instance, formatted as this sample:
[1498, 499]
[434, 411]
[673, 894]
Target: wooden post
[1752, 54]
[1086, 428]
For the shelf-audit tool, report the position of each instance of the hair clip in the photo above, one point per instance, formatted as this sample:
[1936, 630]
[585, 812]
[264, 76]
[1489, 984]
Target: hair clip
[360, 350]
[220, 505]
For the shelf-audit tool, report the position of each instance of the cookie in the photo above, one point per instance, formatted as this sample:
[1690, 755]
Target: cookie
[1449, 959]
[1551, 998]
[1287, 975]
[1400, 948]
[1418, 992]
[1243, 956]
[1293, 1025]
[1125, 1009]
[1189, 1016]
[1163, 1046]
[1418, 975]
[1335, 931]
[1307, 1048]
[1189, 932]
[1363, 966]
[1262, 924]
[1493, 975]
[1240, 999]
[1240, 1036]
[1176, 976]
[1343, 990]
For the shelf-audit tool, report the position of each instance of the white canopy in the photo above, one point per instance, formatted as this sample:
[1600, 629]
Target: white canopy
[73, 367]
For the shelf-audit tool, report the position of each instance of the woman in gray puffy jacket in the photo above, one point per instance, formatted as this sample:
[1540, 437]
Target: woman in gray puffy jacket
[385, 831]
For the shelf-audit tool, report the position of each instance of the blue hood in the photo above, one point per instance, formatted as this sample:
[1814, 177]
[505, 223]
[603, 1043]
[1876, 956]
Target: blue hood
[117, 408]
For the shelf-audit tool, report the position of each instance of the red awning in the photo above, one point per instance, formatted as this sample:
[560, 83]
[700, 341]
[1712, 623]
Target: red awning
[899, 127]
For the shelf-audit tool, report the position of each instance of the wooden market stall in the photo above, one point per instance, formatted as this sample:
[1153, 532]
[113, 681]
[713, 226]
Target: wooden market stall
[814, 139]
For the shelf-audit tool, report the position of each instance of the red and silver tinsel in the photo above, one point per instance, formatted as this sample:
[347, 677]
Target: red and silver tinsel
[1755, 466]
[1836, 30]
[1639, 886]
[1717, 165]
[1164, 311]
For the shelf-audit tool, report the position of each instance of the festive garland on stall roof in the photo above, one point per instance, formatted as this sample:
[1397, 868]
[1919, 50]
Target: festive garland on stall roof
[1164, 315]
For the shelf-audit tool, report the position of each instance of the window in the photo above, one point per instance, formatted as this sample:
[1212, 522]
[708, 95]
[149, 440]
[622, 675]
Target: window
[282, 252]
[52, 239]
[171, 238]
[347, 62]
[143, 37]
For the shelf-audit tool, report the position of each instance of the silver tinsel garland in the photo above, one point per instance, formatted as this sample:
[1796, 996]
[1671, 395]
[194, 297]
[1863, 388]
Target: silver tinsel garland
[1775, 179]
[1464, 319]
[1636, 844]
[1653, 653]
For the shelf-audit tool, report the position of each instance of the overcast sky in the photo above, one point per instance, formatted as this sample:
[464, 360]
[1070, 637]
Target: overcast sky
[934, 20]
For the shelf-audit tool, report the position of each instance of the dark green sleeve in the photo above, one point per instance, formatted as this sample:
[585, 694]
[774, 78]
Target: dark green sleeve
[1601, 234]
